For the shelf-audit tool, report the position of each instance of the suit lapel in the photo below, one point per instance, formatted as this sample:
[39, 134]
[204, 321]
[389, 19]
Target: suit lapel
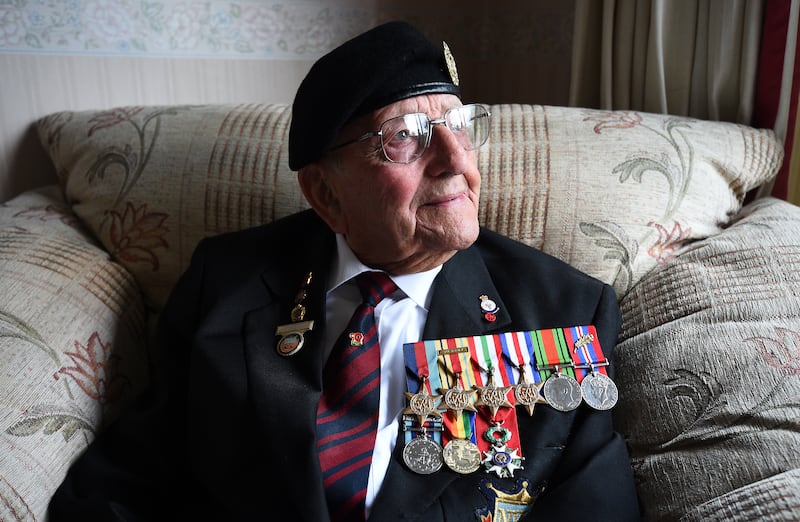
[456, 303]
[285, 403]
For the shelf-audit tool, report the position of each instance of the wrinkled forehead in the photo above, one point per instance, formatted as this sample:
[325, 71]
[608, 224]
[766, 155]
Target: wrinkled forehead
[433, 105]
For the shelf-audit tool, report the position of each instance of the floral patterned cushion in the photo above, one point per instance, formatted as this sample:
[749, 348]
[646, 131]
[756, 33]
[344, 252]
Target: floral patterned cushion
[613, 193]
[617, 193]
[72, 338]
[151, 181]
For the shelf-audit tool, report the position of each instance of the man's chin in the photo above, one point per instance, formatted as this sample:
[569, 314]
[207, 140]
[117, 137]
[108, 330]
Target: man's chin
[454, 238]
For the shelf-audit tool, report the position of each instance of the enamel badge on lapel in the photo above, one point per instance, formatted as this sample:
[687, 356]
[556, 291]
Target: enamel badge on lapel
[292, 334]
[489, 308]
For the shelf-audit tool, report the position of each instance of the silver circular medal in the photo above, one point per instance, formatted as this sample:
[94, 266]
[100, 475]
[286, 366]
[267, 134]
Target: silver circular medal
[562, 392]
[462, 456]
[422, 455]
[599, 391]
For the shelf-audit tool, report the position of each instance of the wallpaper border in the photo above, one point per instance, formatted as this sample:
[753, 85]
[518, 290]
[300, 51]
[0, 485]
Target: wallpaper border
[178, 28]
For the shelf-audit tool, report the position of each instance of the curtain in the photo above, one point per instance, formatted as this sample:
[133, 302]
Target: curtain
[777, 92]
[686, 57]
[726, 60]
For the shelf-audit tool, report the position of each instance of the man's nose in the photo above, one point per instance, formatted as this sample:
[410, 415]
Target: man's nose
[442, 133]
[445, 146]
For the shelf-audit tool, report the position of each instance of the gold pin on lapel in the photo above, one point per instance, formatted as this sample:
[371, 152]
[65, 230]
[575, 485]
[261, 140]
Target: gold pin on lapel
[292, 334]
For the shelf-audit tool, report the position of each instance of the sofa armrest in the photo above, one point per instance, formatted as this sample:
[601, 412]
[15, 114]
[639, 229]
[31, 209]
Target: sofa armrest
[709, 369]
[776, 499]
[72, 346]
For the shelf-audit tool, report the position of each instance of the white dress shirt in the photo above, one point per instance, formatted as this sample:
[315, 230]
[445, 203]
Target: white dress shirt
[400, 318]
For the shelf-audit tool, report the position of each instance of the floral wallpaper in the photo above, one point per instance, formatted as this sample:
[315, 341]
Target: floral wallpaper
[290, 29]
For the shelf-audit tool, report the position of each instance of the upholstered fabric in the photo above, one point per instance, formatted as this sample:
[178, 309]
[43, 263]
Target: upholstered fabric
[709, 367]
[776, 499]
[613, 193]
[708, 361]
[72, 346]
[617, 193]
[151, 181]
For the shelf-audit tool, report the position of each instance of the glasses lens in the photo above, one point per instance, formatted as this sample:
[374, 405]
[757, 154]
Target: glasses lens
[470, 124]
[404, 138]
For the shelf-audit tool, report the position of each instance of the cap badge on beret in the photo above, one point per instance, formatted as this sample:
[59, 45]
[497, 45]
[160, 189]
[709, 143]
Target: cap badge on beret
[451, 64]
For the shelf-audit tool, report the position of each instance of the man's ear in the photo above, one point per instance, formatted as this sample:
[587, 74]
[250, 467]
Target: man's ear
[321, 195]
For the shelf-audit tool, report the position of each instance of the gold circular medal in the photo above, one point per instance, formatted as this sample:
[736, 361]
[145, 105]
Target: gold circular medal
[462, 456]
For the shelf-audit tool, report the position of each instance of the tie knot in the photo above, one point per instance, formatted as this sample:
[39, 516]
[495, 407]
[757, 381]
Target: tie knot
[374, 286]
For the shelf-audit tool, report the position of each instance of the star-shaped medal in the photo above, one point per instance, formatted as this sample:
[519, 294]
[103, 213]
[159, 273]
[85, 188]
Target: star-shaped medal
[493, 397]
[529, 394]
[458, 399]
[423, 405]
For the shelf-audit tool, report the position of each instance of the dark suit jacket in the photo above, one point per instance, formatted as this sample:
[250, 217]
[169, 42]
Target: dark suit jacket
[227, 429]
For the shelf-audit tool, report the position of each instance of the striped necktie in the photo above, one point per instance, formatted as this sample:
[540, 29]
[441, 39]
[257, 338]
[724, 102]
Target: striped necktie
[347, 416]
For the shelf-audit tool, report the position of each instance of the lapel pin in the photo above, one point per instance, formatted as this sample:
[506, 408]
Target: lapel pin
[489, 308]
[292, 334]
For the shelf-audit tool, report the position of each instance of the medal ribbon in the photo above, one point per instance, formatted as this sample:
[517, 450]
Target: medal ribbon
[455, 367]
[529, 351]
[412, 430]
[550, 349]
[586, 350]
[487, 350]
[518, 349]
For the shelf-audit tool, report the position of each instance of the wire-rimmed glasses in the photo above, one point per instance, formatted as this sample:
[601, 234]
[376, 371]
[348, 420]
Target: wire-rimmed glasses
[405, 138]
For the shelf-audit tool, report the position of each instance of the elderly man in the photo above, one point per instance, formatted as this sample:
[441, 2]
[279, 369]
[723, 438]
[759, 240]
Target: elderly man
[450, 395]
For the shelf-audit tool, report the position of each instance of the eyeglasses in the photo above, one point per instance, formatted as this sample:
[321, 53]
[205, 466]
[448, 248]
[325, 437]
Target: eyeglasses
[405, 139]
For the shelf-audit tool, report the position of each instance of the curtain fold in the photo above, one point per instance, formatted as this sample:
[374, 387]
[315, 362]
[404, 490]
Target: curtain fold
[686, 57]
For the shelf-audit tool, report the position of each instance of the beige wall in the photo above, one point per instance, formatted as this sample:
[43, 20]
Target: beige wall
[32, 86]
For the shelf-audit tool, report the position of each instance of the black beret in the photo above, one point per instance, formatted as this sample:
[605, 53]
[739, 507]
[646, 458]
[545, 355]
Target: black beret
[388, 63]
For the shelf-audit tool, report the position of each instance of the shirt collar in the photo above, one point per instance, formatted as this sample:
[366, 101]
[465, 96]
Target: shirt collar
[417, 286]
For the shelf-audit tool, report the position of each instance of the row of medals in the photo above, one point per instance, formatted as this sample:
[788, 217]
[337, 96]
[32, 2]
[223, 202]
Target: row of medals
[424, 455]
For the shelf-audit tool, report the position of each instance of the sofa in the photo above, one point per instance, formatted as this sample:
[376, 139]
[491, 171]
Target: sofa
[660, 207]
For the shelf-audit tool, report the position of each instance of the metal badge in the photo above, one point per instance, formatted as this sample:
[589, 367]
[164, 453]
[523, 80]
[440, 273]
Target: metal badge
[458, 399]
[422, 404]
[422, 455]
[599, 391]
[562, 392]
[529, 394]
[292, 336]
[493, 397]
[500, 459]
[451, 63]
[489, 308]
[462, 456]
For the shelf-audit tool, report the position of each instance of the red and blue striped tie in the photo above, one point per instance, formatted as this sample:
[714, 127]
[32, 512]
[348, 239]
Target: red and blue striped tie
[347, 416]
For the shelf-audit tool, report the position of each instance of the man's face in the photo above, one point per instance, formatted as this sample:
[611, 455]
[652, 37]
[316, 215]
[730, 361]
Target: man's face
[402, 218]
